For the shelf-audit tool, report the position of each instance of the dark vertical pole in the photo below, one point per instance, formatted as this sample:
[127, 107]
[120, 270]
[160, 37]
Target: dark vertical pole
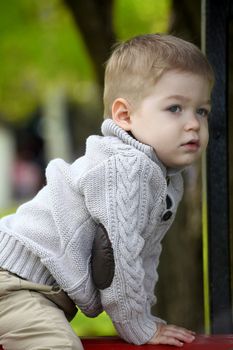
[216, 48]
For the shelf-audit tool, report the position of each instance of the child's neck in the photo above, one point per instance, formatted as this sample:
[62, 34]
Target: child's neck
[132, 135]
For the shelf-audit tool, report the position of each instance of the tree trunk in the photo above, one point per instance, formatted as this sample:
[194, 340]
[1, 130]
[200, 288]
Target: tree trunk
[7, 149]
[180, 287]
[94, 19]
[185, 20]
[55, 126]
[230, 135]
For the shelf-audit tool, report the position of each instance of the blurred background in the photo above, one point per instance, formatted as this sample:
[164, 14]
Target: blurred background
[52, 55]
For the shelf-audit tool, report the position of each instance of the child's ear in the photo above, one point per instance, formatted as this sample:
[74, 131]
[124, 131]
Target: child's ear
[121, 113]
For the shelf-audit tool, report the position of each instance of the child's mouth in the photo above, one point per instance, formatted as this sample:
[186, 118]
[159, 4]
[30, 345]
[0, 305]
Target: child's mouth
[192, 145]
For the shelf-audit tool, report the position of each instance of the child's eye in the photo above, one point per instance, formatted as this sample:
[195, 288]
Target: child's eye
[175, 109]
[203, 112]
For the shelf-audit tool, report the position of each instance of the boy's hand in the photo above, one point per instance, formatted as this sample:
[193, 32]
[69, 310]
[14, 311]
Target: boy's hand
[172, 335]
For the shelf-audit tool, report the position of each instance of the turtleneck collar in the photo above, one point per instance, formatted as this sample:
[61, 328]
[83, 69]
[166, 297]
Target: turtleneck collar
[110, 128]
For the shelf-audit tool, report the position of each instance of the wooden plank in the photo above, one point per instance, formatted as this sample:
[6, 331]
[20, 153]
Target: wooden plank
[202, 342]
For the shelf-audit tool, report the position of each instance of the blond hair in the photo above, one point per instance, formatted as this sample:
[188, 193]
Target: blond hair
[137, 64]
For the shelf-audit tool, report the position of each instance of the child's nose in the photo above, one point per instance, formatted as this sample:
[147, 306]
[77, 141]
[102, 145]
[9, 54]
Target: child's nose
[192, 123]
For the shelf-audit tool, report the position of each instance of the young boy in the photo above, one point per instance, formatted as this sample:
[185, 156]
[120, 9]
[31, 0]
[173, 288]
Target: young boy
[92, 236]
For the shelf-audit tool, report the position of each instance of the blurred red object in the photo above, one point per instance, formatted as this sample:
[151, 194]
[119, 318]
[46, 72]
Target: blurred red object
[202, 342]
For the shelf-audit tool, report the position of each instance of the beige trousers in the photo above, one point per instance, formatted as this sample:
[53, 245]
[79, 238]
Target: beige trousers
[34, 317]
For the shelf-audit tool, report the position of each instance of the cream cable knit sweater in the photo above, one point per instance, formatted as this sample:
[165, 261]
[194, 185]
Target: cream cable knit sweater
[121, 184]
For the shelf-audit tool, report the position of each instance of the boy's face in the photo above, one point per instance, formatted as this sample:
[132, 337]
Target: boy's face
[173, 119]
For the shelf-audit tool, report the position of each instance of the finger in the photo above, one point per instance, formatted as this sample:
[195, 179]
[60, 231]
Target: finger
[186, 335]
[185, 330]
[188, 338]
[176, 332]
[169, 341]
[180, 328]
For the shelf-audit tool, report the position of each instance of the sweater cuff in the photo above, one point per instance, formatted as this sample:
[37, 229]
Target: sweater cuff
[92, 307]
[137, 331]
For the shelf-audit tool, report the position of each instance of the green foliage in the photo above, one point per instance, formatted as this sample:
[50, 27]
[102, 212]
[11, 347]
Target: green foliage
[6, 212]
[98, 326]
[133, 17]
[39, 46]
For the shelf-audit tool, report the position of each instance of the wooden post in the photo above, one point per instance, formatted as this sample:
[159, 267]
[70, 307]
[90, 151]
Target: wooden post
[215, 21]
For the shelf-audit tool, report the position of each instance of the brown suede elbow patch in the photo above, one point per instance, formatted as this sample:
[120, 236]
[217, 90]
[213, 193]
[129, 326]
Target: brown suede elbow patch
[102, 260]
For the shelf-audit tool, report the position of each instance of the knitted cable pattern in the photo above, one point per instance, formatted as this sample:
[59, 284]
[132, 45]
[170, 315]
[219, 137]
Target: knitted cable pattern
[128, 182]
[130, 243]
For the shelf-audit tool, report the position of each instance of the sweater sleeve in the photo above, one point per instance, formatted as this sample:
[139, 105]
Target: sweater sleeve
[118, 195]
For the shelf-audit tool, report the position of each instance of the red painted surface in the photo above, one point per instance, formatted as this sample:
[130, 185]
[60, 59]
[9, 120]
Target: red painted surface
[202, 342]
